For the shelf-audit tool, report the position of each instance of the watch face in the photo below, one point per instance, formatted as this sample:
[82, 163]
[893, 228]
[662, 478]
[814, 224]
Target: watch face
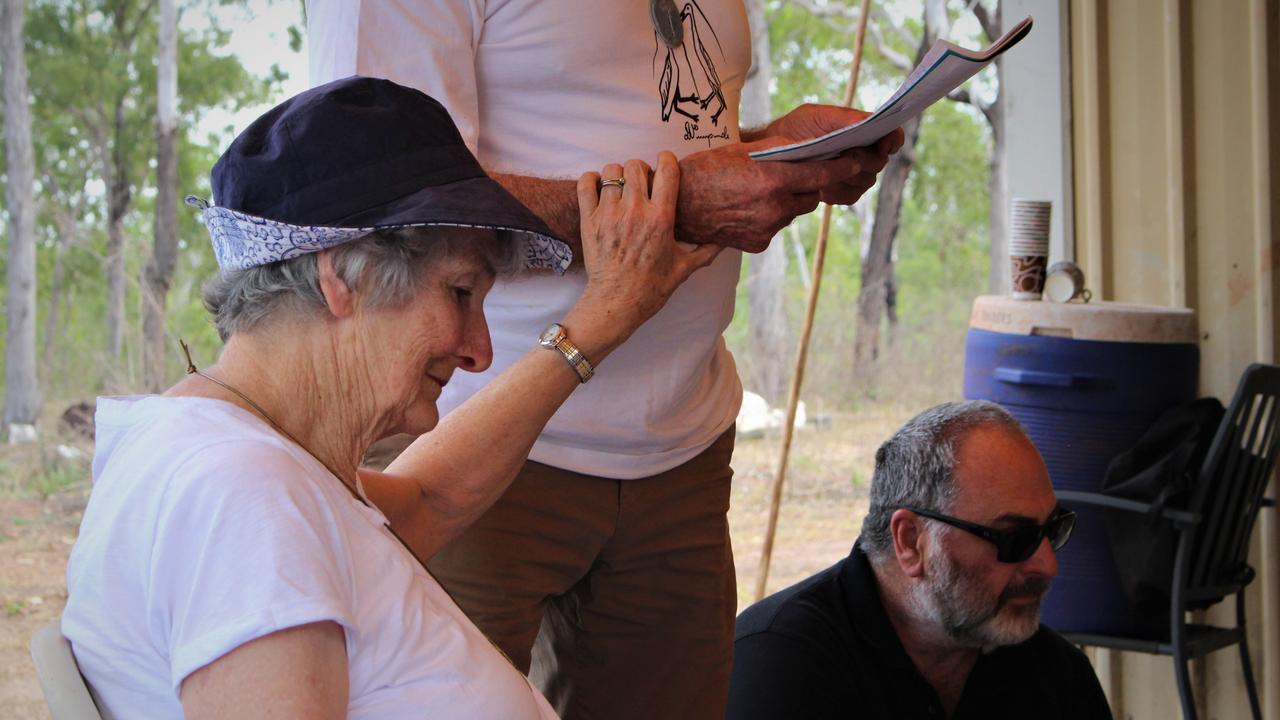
[550, 335]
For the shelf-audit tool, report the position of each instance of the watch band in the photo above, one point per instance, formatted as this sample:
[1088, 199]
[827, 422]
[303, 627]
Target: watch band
[556, 338]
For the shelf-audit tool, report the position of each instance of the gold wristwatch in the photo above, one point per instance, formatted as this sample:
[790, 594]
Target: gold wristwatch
[555, 338]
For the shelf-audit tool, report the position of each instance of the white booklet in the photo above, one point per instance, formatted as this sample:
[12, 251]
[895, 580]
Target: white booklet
[943, 69]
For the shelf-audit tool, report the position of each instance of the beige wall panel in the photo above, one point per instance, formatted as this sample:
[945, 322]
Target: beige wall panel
[1271, 49]
[1230, 268]
[1236, 91]
[1140, 166]
[1091, 147]
[1176, 159]
[1270, 525]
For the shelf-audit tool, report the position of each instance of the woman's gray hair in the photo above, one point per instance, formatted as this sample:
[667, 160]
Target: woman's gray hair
[916, 466]
[385, 267]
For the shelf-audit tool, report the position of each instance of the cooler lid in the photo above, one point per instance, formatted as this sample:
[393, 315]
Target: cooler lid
[1097, 320]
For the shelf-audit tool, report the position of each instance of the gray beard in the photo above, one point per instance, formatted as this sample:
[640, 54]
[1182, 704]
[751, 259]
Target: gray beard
[951, 602]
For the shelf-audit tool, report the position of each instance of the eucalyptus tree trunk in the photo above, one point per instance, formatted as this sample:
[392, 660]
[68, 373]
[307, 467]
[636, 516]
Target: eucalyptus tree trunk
[998, 190]
[879, 285]
[66, 219]
[766, 271]
[55, 309]
[997, 180]
[159, 272]
[877, 297]
[22, 388]
[118, 198]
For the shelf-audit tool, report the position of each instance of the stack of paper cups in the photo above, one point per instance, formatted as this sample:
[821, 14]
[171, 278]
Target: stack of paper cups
[1028, 246]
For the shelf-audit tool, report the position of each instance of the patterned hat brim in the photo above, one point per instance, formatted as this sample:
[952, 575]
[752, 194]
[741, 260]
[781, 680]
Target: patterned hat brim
[241, 241]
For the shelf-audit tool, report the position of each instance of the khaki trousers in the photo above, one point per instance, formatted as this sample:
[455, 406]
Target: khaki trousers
[616, 596]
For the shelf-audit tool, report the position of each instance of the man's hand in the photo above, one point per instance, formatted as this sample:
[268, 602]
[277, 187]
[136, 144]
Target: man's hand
[729, 199]
[810, 121]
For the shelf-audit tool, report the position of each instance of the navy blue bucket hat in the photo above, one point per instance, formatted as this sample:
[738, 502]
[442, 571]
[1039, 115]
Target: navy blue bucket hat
[332, 164]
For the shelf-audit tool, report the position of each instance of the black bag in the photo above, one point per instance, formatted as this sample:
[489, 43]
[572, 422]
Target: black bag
[1160, 469]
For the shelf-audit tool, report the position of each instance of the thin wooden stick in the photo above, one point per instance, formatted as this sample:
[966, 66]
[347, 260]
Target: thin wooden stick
[802, 353]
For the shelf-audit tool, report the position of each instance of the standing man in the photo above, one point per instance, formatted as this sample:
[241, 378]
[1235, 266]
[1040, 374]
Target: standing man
[936, 612]
[606, 571]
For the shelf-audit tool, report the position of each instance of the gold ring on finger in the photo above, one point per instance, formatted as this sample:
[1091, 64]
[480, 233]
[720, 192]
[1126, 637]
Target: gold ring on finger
[616, 182]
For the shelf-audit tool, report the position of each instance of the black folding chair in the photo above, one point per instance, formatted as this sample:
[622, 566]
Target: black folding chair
[1211, 561]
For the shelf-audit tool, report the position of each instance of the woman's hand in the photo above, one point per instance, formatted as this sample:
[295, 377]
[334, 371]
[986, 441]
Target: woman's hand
[448, 477]
[628, 246]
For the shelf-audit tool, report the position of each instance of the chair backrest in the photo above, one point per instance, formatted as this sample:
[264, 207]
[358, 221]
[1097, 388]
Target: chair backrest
[65, 689]
[1231, 484]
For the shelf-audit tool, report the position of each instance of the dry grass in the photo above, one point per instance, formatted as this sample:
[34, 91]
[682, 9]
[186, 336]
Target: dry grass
[824, 499]
[42, 498]
[41, 501]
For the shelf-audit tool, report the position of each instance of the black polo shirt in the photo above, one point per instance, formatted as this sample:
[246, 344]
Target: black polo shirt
[824, 648]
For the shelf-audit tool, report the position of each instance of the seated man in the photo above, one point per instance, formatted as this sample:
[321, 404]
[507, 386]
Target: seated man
[936, 611]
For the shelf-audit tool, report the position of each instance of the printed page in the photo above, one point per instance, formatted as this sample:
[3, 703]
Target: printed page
[944, 68]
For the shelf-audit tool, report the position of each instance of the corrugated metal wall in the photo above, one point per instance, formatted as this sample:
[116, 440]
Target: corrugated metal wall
[1176, 133]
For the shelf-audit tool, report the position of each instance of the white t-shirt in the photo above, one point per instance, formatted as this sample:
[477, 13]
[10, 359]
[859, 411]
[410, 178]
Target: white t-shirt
[205, 530]
[553, 88]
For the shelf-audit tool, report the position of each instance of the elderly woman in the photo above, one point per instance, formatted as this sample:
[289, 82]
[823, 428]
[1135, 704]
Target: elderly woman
[233, 560]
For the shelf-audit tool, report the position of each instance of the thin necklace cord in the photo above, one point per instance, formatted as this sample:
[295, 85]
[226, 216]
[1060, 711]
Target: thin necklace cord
[193, 370]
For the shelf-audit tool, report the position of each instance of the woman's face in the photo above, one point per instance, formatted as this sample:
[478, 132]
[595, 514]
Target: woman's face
[411, 352]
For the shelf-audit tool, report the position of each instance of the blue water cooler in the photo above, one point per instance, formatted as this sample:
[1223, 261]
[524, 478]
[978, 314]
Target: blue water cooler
[1085, 380]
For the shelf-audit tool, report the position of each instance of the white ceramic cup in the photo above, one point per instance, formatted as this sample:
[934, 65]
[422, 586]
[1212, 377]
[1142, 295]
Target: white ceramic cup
[1064, 282]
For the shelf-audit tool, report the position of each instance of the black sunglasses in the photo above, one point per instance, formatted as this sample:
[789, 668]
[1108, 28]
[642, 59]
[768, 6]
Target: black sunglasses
[1016, 544]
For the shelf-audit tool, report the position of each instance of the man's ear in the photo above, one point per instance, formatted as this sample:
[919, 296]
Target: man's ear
[908, 533]
[337, 294]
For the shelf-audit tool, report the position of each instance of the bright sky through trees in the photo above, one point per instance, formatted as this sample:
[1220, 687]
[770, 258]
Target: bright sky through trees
[260, 38]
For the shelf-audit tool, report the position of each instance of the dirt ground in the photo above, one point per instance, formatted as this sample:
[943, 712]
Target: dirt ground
[36, 535]
[821, 513]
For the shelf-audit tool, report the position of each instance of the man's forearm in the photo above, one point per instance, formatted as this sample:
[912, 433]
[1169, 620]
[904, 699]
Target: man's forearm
[555, 201]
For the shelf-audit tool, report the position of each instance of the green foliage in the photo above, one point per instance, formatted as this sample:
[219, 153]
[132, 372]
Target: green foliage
[858, 478]
[943, 251]
[942, 247]
[810, 59]
[944, 243]
[92, 66]
[89, 57]
[57, 476]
